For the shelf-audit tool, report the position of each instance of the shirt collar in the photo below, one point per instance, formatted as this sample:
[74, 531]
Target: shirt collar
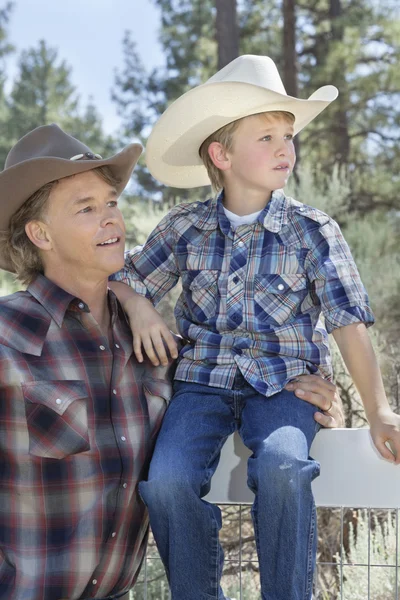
[54, 299]
[273, 217]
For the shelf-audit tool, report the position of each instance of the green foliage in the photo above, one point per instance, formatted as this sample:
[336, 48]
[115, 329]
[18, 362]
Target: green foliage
[42, 93]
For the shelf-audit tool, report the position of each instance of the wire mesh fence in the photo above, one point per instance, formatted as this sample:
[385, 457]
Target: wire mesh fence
[358, 557]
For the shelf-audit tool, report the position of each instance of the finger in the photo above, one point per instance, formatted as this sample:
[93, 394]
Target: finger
[137, 347]
[325, 420]
[149, 349]
[315, 399]
[159, 347]
[171, 343]
[384, 450]
[314, 383]
[394, 448]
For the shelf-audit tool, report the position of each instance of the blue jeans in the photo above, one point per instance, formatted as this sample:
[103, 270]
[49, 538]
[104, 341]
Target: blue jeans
[279, 431]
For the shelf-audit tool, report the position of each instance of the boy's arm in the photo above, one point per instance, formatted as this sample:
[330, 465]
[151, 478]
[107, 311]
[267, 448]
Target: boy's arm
[148, 327]
[359, 356]
[150, 271]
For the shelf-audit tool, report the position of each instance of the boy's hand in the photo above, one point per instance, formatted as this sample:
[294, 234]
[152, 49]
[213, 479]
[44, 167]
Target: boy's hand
[385, 428]
[324, 395]
[150, 331]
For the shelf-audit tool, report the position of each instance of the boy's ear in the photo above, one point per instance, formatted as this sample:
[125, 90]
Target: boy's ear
[38, 235]
[218, 154]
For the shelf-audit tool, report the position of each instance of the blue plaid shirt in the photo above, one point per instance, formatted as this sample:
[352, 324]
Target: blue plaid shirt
[253, 297]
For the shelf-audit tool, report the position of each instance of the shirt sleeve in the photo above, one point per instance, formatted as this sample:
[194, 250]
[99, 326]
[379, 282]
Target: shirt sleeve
[336, 280]
[151, 269]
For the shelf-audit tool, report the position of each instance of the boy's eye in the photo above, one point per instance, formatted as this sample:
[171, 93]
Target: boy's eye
[289, 136]
[267, 138]
[112, 203]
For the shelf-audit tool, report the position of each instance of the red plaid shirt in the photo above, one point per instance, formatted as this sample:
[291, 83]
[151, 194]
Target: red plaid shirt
[78, 420]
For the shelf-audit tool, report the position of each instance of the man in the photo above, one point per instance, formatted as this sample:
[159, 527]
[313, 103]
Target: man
[78, 413]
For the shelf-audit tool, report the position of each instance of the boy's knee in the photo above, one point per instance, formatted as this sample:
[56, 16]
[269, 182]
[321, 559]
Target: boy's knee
[284, 471]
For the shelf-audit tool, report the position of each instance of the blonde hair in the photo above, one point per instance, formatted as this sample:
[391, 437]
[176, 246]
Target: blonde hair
[225, 136]
[17, 248]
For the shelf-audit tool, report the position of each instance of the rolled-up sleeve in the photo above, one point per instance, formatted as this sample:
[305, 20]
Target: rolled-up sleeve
[336, 281]
[151, 269]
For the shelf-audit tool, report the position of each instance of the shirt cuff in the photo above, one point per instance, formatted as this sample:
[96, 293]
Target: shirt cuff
[347, 315]
[136, 284]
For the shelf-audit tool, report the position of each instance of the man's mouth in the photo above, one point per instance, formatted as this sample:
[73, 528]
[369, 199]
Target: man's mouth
[110, 241]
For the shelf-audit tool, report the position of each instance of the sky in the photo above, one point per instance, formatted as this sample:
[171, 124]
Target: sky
[88, 36]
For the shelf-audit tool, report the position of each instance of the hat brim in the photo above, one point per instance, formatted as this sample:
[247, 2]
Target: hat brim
[172, 150]
[19, 182]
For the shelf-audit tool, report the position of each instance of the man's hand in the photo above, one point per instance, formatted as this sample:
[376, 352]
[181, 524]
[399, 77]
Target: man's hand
[385, 429]
[321, 393]
[150, 332]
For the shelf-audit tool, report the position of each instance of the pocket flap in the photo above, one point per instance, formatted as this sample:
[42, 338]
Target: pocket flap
[281, 284]
[204, 279]
[57, 395]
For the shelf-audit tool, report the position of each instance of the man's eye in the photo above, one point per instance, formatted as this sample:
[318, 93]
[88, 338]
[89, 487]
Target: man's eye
[86, 209]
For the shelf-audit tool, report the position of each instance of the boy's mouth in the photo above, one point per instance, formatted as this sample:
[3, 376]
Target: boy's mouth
[282, 167]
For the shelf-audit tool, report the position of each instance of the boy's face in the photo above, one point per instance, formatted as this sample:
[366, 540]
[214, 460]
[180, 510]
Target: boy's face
[263, 154]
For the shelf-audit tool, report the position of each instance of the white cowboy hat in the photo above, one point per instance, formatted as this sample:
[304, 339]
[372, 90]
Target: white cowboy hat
[246, 86]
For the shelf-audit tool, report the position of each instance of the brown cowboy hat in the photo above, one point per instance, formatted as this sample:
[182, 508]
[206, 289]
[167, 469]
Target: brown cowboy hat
[46, 154]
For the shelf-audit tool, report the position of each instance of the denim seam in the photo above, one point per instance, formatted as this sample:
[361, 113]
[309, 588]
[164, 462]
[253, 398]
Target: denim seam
[212, 457]
[309, 569]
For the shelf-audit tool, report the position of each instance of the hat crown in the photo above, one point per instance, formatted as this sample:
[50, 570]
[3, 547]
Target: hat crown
[48, 141]
[255, 70]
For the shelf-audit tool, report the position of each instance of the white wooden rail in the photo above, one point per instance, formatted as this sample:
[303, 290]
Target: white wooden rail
[353, 474]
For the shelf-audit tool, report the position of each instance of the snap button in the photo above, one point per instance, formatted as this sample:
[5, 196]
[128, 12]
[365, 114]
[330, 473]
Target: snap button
[58, 401]
[116, 345]
[102, 347]
[94, 581]
[281, 286]
[81, 305]
[123, 438]
[114, 391]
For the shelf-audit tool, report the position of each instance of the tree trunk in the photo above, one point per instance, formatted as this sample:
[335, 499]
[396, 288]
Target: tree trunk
[227, 32]
[341, 125]
[290, 55]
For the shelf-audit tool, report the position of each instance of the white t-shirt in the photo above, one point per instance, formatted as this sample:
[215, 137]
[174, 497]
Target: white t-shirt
[236, 220]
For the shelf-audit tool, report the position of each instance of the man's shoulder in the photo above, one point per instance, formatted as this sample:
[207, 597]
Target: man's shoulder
[23, 322]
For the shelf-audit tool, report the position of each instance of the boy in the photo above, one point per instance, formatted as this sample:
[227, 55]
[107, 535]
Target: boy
[258, 269]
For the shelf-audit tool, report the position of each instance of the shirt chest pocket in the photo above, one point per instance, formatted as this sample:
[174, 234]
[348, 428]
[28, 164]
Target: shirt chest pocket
[56, 416]
[278, 297]
[201, 293]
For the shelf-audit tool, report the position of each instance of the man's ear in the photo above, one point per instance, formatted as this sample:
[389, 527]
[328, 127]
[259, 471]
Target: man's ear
[218, 154]
[38, 234]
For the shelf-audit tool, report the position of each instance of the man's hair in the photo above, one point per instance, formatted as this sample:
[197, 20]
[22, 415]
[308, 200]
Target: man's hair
[225, 136]
[17, 247]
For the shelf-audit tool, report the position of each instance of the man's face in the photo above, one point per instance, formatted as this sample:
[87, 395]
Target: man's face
[85, 228]
[263, 154]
